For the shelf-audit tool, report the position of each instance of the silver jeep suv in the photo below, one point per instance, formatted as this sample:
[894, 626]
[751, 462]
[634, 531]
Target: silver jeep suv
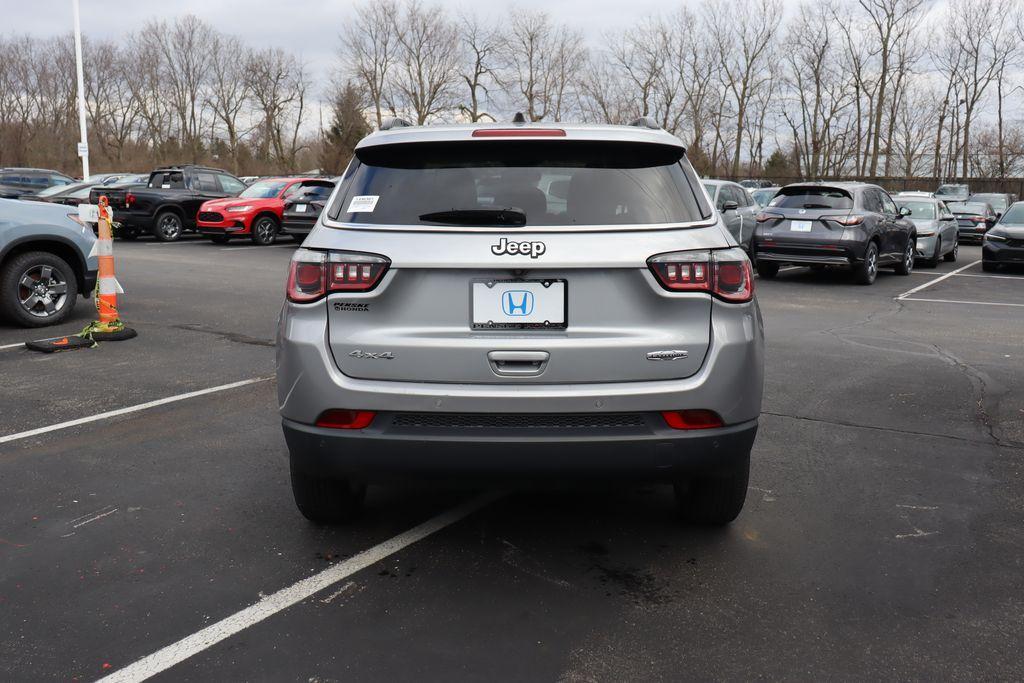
[520, 300]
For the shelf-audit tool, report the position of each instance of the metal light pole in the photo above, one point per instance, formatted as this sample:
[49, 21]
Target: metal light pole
[83, 145]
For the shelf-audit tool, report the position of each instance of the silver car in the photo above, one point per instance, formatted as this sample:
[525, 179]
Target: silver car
[936, 227]
[737, 207]
[520, 300]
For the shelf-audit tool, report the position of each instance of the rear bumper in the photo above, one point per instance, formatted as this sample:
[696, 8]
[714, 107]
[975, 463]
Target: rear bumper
[382, 451]
[971, 233]
[297, 226]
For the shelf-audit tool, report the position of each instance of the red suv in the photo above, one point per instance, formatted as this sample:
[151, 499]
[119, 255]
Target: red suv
[255, 213]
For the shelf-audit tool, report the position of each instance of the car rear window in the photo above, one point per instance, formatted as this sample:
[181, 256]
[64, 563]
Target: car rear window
[970, 208]
[552, 183]
[167, 180]
[922, 210]
[812, 197]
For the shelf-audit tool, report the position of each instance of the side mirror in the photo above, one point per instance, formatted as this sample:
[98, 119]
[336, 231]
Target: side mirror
[729, 206]
[904, 211]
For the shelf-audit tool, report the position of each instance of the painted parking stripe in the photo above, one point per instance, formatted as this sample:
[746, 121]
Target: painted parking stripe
[130, 409]
[935, 281]
[957, 301]
[11, 346]
[191, 645]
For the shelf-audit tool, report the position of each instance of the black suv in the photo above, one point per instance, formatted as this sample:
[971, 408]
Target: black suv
[839, 224]
[16, 182]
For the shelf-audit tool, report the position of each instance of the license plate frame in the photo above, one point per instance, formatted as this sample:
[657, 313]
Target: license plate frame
[801, 226]
[477, 322]
[301, 208]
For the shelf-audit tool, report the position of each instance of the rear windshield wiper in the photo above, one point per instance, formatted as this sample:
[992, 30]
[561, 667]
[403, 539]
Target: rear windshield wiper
[513, 217]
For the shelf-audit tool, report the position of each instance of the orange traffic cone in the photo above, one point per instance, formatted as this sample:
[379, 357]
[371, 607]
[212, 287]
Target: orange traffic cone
[109, 326]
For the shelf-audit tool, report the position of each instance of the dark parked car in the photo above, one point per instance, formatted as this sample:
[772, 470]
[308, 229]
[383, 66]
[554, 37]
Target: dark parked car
[167, 205]
[1004, 243]
[953, 193]
[973, 218]
[15, 182]
[999, 201]
[46, 262]
[303, 209]
[839, 224]
[736, 206]
[70, 195]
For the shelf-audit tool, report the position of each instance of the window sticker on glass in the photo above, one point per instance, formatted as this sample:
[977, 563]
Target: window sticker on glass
[363, 203]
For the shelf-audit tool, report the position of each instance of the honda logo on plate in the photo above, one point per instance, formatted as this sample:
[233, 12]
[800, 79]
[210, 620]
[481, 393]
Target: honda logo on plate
[516, 302]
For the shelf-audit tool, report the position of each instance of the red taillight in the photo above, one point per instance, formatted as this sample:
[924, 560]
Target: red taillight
[851, 219]
[725, 273]
[337, 418]
[129, 199]
[313, 274]
[978, 219]
[692, 419]
[519, 133]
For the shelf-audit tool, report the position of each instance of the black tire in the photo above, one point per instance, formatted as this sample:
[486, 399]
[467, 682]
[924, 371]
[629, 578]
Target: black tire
[264, 231]
[324, 500]
[906, 264]
[767, 269]
[951, 256]
[989, 266]
[933, 262]
[714, 499]
[220, 239]
[865, 272]
[168, 226]
[37, 289]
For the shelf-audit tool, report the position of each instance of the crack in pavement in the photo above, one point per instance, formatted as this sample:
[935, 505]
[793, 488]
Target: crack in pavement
[230, 336]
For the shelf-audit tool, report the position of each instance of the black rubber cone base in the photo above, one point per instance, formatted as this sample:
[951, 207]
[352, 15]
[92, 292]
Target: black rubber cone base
[55, 344]
[120, 335]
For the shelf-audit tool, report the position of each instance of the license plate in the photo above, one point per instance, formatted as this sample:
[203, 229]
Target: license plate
[300, 208]
[800, 226]
[518, 304]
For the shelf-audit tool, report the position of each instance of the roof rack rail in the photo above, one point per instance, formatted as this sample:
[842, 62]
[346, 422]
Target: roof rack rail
[394, 122]
[645, 122]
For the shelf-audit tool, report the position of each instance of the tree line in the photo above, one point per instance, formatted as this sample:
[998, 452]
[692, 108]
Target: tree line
[860, 88]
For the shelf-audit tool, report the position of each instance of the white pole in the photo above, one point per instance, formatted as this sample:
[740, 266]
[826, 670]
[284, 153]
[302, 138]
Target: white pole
[83, 146]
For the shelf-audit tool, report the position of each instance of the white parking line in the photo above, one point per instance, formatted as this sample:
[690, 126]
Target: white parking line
[11, 346]
[128, 410]
[996, 277]
[957, 301]
[935, 281]
[165, 658]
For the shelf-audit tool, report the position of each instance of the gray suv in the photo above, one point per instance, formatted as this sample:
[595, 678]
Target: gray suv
[495, 301]
[47, 260]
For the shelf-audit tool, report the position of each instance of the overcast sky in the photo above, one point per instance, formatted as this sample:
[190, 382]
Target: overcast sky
[307, 27]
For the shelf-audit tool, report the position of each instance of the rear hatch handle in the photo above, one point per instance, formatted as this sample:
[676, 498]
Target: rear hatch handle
[518, 363]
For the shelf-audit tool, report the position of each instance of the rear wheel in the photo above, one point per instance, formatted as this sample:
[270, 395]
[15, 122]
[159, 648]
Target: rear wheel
[951, 256]
[37, 289]
[714, 499]
[866, 271]
[906, 264]
[326, 500]
[168, 227]
[264, 231]
[933, 262]
[767, 269]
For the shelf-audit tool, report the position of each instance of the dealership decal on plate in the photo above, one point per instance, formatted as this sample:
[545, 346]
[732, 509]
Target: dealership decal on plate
[800, 226]
[301, 208]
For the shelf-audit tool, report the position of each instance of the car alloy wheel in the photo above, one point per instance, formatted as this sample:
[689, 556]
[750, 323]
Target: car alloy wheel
[42, 291]
[169, 227]
[872, 263]
[264, 231]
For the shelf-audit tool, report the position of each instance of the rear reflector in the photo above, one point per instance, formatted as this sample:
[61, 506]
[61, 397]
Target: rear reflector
[692, 419]
[337, 418]
[519, 133]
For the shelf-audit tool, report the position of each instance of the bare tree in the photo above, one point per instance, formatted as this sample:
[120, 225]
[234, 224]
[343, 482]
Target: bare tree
[229, 92]
[427, 61]
[279, 84]
[479, 70]
[541, 60]
[369, 46]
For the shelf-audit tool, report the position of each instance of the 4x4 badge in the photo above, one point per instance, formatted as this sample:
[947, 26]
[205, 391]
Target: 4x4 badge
[371, 355]
[674, 354]
[504, 247]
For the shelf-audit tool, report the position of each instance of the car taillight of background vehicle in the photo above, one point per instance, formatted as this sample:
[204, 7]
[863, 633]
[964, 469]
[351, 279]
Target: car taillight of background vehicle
[724, 273]
[313, 274]
[129, 199]
[978, 219]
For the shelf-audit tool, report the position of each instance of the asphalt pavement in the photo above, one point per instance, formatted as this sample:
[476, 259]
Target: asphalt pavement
[883, 535]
